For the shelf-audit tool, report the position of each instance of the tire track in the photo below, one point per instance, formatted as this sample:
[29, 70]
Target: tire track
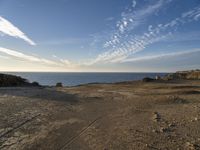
[79, 134]
[18, 126]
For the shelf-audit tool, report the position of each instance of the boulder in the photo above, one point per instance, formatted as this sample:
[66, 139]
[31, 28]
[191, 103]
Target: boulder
[59, 84]
[35, 84]
[147, 79]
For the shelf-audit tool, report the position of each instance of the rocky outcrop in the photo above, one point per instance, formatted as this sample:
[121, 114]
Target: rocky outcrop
[186, 75]
[12, 80]
[147, 79]
[59, 84]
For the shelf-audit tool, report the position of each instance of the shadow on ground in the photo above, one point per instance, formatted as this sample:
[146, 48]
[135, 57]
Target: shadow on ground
[39, 93]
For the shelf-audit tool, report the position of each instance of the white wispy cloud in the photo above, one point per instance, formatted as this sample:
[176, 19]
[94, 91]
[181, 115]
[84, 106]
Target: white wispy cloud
[161, 55]
[6, 27]
[133, 45]
[134, 3]
[30, 58]
[192, 14]
[120, 50]
[117, 48]
[109, 19]
[131, 19]
[54, 56]
[66, 62]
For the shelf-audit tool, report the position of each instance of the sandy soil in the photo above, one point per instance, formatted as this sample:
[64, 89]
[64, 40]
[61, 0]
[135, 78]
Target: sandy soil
[122, 116]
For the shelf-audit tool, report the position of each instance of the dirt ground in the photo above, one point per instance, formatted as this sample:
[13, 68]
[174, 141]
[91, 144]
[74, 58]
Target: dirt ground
[121, 116]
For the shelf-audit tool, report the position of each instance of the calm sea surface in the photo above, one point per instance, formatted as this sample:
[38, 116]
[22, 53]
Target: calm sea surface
[72, 79]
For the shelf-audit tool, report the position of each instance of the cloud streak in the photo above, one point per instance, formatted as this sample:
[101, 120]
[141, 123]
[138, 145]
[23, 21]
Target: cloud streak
[7, 28]
[145, 58]
[30, 58]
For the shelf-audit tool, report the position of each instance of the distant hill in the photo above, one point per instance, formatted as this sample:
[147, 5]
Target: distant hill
[11, 80]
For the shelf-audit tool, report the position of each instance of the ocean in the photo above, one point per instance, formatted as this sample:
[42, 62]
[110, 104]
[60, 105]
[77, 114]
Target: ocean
[73, 79]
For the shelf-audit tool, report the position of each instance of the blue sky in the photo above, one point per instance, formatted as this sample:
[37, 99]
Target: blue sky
[99, 35]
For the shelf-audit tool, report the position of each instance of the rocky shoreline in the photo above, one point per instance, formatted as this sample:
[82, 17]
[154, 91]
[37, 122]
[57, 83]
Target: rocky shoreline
[7, 80]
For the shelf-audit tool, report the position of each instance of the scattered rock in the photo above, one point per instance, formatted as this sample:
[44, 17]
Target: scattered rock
[196, 119]
[156, 116]
[163, 130]
[154, 131]
[192, 146]
[171, 125]
[176, 99]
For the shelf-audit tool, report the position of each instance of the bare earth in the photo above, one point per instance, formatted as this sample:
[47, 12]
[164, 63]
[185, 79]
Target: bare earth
[122, 116]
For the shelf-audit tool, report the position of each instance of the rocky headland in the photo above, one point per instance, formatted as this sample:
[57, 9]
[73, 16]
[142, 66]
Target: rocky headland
[7, 80]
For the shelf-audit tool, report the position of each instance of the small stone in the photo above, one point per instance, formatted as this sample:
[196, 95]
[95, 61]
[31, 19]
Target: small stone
[190, 146]
[17, 134]
[156, 116]
[196, 119]
[168, 137]
[187, 143]
[154, 131]
[186, 135]
[171, 125]
[162, 129]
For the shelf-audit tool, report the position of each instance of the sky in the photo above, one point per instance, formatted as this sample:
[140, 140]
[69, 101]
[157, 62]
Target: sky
[99, 35]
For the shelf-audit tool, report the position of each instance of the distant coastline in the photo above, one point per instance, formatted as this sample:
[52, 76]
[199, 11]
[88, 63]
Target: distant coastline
[74, 79]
